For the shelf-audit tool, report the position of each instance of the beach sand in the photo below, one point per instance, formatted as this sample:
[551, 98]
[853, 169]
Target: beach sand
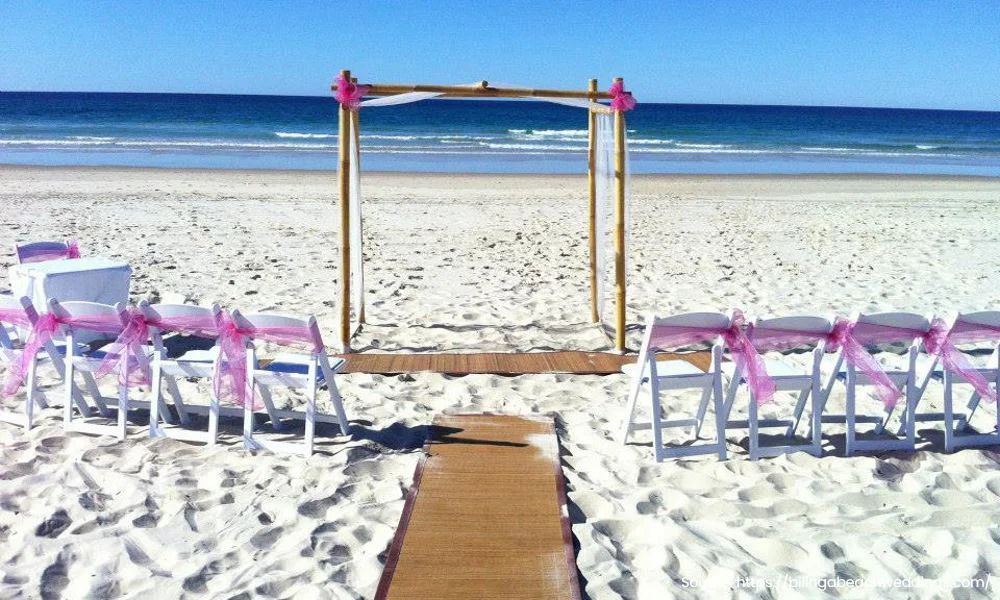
[483, 262]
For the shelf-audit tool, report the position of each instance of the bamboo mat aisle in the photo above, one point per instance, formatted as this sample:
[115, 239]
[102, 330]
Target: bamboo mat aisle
[503, 363]
[485, 517]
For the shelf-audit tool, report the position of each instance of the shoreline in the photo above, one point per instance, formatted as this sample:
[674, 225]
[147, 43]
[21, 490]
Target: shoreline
[10, 167]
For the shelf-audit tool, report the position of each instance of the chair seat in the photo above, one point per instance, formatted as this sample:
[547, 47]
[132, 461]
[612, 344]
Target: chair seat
[666, 368]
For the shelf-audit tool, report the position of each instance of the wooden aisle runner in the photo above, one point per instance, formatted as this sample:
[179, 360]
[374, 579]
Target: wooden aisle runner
[486, 516]
[503, 363]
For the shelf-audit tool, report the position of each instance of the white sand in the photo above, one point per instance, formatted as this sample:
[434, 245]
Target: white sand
[499, 263]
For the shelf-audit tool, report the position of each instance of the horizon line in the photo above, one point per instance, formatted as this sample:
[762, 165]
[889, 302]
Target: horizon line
[765, 105]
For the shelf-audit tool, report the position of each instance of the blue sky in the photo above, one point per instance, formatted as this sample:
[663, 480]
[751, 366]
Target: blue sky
[855, 53]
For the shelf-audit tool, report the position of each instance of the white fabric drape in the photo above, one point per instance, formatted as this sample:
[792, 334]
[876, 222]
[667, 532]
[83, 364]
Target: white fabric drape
[604, 180]
[605, 191]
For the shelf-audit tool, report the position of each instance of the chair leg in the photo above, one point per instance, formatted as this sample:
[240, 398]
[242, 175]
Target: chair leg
[122, 410]
[272, 413]
[851, 390]
[721, 414]
[68, 398]
[338, 406]
[949, 420]
[706, 396]
[213, 418]
[633, 397]
[310, 424]
[754, 429]
[95, 392]
[816, 423]
[654, 400]
[175, 395]
[155, 405]
[800, 406]
[29, 404]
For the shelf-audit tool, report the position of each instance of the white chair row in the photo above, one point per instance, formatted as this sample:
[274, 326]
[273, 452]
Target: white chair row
[807, 382]
[306, 371]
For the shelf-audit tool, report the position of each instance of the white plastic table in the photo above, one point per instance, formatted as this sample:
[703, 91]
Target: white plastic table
[90, 279]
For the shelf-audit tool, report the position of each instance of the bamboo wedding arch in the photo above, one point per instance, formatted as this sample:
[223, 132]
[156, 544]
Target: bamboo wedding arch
[351, 255]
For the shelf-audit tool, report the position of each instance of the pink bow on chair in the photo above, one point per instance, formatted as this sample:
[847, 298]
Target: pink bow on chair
[746, 357]
[349, 93]
[127, 347]
[941, 340]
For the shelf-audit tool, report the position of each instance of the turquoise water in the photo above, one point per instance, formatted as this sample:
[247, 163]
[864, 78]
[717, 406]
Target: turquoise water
[217, 131]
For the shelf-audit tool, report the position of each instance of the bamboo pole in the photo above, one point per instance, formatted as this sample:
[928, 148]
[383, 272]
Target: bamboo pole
[479, 90]
[345, 223]
[592, 184]
[619, 228]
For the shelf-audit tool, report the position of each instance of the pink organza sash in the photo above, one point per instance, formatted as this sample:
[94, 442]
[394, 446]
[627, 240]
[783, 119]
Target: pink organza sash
[128, 347]
[943, 342]
[746, 357]
[14, 316]
[349, 93]
[70, 251]
[231, 373]
[620, 99]
[42, 332]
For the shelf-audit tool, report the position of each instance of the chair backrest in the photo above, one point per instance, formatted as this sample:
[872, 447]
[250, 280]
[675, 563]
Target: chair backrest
[77, 309]
[989, 318]
[905, 320]
[698, 320]
[41, 251]
[808, 325]
[165, 311]
[281, 321]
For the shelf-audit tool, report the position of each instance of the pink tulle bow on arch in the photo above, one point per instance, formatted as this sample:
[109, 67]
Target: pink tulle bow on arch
[744, 355]
[620, 99]
[349, 93]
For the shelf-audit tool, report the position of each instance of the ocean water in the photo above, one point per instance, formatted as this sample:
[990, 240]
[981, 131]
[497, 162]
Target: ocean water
[219, 131]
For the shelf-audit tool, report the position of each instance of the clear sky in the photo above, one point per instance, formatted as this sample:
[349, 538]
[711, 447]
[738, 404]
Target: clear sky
[904, 53]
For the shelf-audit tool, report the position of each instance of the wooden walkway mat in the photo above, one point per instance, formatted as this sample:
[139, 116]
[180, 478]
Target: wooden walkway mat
[486, 516]
[500, 363]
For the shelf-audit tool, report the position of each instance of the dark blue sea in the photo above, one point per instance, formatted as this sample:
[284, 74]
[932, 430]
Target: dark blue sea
[258, 132]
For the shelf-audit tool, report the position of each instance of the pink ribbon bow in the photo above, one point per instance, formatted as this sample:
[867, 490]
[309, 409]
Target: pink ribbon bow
[128, 347]
[745, 355]
[620, 99]
[349, 93]
[942, 341]
[231, 375]
[852, 337]
[72, 249]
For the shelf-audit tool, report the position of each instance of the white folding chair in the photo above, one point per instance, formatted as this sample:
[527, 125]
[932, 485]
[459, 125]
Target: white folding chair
[194, 364]
[958, 435]
[289, 370]
[912, 381]
[90, 362]
[41, 251]
[803, 380]
[50, 352]
[678, 375]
